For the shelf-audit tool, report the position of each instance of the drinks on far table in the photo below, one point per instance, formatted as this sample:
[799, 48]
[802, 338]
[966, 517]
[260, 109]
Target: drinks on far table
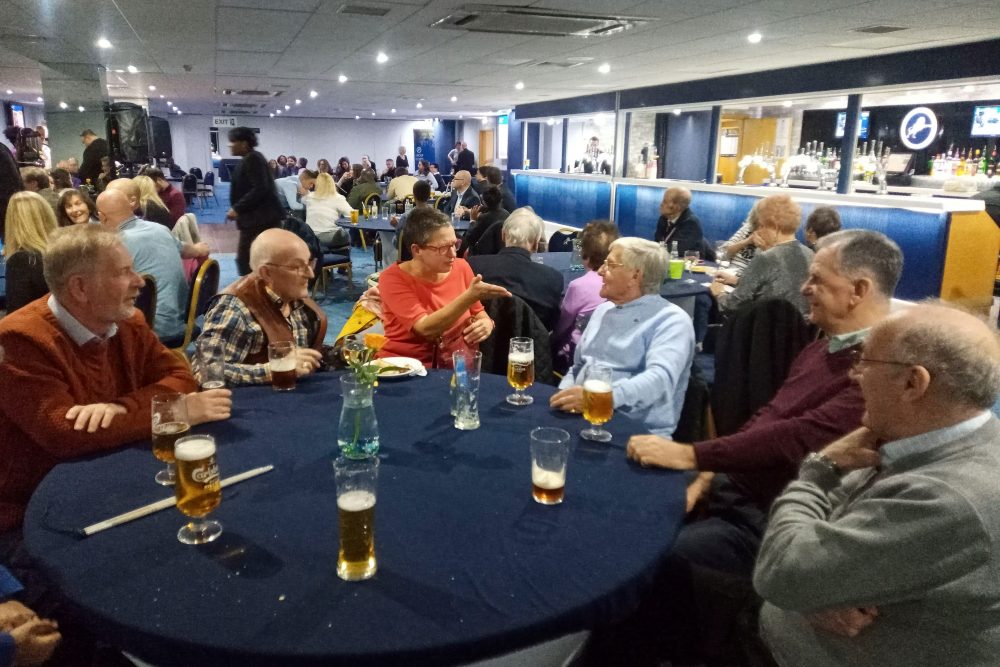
[520, 369]
[165, 436]
[354, 216]
[547, 486]
[597, 402]
[281, 360]
[169, 421]
[356, 557]
[198, 488]
[356, 498]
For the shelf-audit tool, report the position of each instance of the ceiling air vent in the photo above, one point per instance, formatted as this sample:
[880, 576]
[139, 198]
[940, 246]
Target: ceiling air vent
[879, 29]
[525, 21]
[251, 93]
[557, 65]
[363, 10]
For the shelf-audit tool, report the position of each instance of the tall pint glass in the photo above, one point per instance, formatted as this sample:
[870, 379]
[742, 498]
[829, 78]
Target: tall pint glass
[356, 484]
[198, 488]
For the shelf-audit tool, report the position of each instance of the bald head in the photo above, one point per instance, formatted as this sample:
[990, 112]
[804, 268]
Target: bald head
[126, 187]
[960, 352]
[276, 246]
[113, 208]
[461, 181]
[675, 201]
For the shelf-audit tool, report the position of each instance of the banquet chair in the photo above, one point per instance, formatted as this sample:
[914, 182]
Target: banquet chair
[514, 317]
[562, 240]
[329, 262]
[441, 200]
[205, 286]
[145, 302]
[207, 188]
[189, 186]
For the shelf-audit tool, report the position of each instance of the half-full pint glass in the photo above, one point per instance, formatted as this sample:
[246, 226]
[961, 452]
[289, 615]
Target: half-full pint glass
[169, 422]
[356, 484]
[198, 488]
[281, 362]
[549, 455]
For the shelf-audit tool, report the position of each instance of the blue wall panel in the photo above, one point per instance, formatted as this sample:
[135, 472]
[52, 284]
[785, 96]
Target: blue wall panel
[566, 201]
[688, 137]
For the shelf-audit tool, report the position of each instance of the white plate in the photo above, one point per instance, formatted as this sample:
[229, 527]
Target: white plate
[412, 366]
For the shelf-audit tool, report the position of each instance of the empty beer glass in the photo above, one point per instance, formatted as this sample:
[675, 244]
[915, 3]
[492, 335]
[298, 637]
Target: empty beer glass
[198, 488]
[598, 404]
[521, 369]
[549, 455]
[170, 422]
[356, 481]
[211, 368]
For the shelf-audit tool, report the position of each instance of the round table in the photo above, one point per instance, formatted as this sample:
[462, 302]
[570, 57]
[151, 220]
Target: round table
[469, 566]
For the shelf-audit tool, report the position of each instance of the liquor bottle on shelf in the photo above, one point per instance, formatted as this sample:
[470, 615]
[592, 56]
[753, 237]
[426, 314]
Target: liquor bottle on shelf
[983, 163]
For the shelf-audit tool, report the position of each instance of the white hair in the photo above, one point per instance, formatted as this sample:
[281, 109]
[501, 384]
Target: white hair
[523, 229]
[645, 256]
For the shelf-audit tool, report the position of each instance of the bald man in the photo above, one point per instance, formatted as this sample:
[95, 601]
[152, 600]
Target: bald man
[677, 223]
[156, 252]
[270, 304]
[463, 197]
[131, 190]
[886, 549]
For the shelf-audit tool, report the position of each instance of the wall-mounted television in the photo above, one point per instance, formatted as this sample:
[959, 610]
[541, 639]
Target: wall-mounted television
[986, 122]
[16, 115]
[842, 123]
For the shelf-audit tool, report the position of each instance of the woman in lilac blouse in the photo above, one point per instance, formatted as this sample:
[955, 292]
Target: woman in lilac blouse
[583, 294]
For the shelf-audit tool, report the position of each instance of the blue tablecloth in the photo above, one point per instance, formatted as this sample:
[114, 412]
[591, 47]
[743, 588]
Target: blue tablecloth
[692, 284]
[469, 565]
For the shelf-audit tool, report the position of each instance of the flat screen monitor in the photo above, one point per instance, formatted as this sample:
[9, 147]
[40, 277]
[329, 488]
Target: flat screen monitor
[986, 122]
[842, 123]
[17, 115]
[898, 163]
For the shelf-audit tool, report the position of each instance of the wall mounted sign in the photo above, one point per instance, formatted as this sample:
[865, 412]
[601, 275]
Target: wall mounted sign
[224, 121]
[919, 128]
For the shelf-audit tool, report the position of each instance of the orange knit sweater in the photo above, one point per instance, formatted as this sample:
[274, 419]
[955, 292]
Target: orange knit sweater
[45, 373]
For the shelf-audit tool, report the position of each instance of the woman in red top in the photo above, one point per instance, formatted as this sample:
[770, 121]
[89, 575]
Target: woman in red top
[431, 302]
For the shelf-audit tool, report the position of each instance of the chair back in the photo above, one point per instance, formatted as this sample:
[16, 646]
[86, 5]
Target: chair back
[562, 240]
[209, 179]
[441, 201]
[692, 423]
[514, 317]
[370, 199]
[189, 185]
[146, 300]
[206, 285]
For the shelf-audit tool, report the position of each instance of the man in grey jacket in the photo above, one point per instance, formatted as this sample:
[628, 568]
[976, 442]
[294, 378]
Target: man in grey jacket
[896, 562]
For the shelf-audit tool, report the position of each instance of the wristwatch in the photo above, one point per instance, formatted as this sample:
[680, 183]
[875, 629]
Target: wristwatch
[821, 470]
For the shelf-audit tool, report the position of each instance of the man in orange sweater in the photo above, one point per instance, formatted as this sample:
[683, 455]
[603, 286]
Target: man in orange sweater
[80, 368]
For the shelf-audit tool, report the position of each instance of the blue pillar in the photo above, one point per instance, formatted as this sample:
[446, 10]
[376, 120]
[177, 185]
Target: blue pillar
[534, 140]
[565, 129]
[715, 123]
[847, 144]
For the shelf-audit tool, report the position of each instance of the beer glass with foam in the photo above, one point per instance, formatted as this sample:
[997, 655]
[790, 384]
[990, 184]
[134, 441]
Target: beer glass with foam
[598, 405]
[521, 369]
[281, 362]
[356, 483]
[170, 422]
[198, 488]
[549, 455]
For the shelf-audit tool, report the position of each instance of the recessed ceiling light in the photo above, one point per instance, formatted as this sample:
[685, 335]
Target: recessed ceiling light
[484, 121]
[393, 110]
[786, 103]
[454, 99]
[63, 105]
[313, 93]
[152, 87]
[604, 69]
[287, 107]
[179, 113]
[103, 43]
[41, 99]
[10, 92]
[677, 112]
[80, 109]
[968, 89]
[460, 116]
[278, 111]
[169, 103]
[519, 85]
[132, 69]
[342, 78]
[373, 113]
[550, 121]
[271, 115]
[381, 57]
[754, 37]
[119, 71]
[298, 101]
[420, 105]
[161, 97]
[357, 118]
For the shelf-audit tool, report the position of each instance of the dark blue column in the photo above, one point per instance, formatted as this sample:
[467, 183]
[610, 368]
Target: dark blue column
[847, 144]
[628, 130]
[565, 128]
[713, 143]
[534, 141]
[515, 143]
[444, 141]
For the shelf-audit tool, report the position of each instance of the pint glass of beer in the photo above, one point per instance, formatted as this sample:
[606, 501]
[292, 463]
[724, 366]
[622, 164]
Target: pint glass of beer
[281, 361]
[549, 455]
[598, 404]
[198, 488]
[521, 369]
[356, 482]
[170, 422]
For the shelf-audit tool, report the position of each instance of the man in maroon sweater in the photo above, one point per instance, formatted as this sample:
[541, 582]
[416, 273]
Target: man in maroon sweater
[849, 289]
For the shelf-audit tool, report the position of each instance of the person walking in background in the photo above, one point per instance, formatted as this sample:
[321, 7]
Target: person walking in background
[253, 197]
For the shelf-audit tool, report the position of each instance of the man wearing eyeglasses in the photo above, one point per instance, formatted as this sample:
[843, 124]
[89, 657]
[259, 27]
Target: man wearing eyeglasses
[269, 305]
[849, 289]
[885, 551]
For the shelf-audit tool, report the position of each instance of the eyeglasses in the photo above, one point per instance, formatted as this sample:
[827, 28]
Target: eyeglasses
[442, 249]
[301, 269]
[859, 361]
[608, 264]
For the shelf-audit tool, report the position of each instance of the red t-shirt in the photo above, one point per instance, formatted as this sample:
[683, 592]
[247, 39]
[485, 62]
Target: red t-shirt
[406, 299]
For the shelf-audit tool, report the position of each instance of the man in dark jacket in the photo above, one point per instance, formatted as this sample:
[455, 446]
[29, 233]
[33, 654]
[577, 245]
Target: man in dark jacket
[538, 285]
[466, 160]
[677, 222]
[96, 148]
[253, 197]
[462, 198]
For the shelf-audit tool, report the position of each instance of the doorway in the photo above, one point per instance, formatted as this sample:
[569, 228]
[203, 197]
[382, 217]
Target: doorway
[486, 141]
